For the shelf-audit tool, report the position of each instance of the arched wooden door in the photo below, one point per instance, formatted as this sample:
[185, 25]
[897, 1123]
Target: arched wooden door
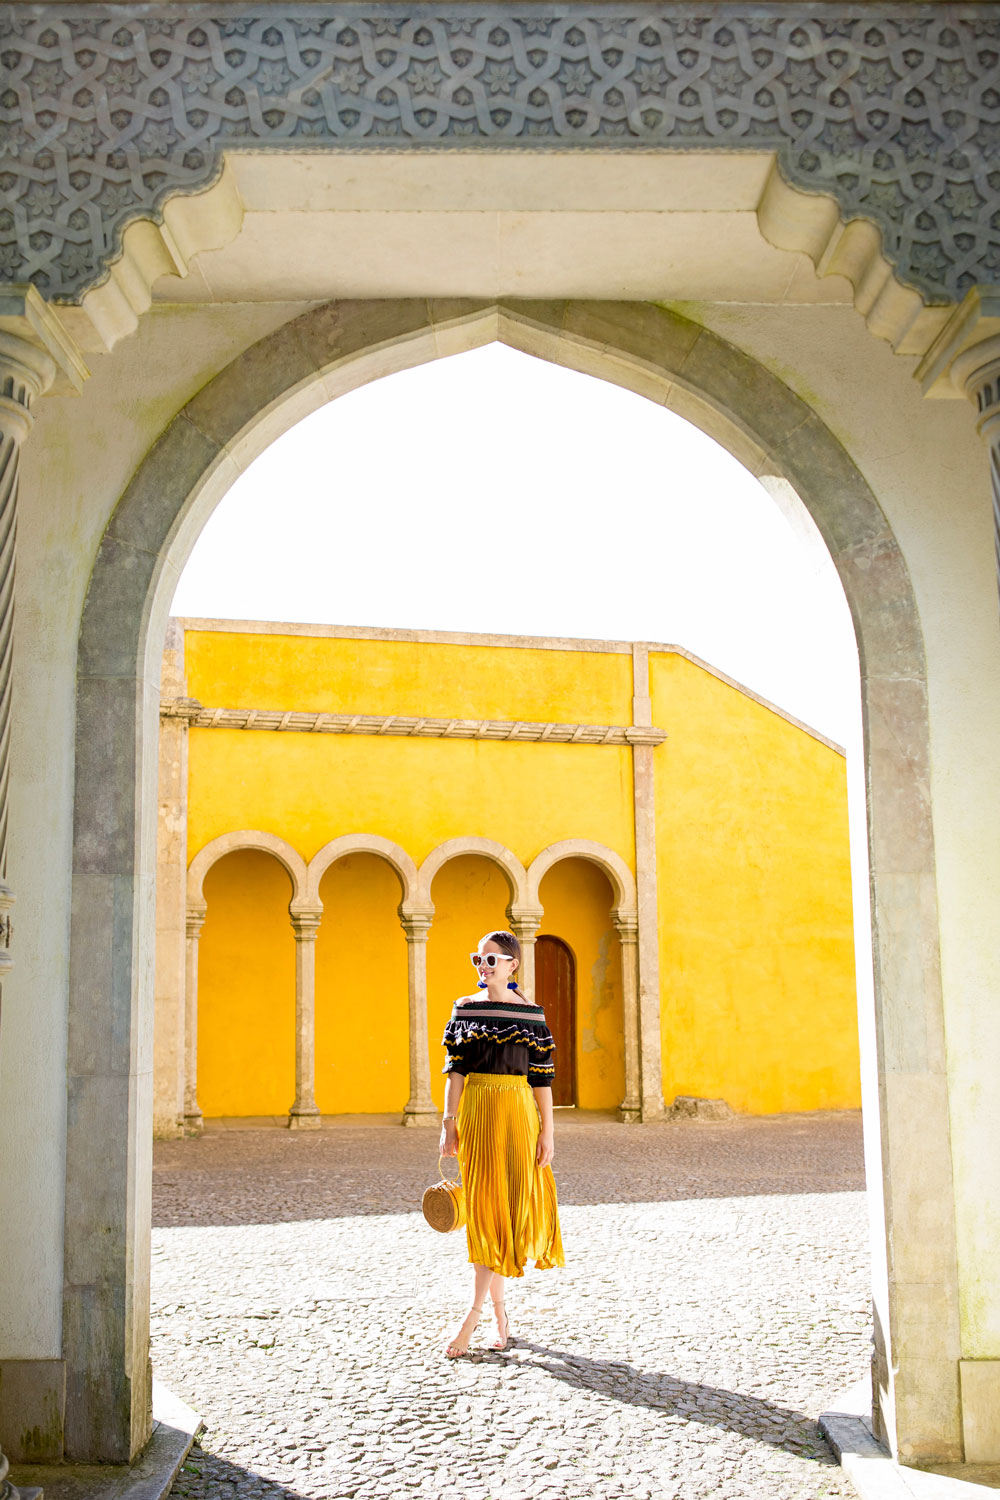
[555, 992]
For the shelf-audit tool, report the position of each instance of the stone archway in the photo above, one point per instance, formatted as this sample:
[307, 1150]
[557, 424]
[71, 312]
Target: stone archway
[668, 359]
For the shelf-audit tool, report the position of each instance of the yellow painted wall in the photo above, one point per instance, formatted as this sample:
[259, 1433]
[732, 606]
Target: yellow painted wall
[754, 888]
[310, 787]
[470, 898]
[756, 949]
[310, 673]
[577, 898]
[362, 1047]
[246, 989]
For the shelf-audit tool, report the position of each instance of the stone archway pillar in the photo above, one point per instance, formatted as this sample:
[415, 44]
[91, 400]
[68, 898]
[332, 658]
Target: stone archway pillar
[26, 372]
[648, 938]
[627, 928]
[525, 922]
[193, 1121]
[304, 1114]
[416, 924]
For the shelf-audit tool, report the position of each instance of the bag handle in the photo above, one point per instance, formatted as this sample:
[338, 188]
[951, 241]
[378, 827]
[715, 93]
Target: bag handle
[454, 1181]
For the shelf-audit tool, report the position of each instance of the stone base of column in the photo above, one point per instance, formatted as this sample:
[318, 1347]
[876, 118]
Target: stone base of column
[194, 1123]
[651, 1112]
[420, 1114]
[629, 1113]
[304, 1119]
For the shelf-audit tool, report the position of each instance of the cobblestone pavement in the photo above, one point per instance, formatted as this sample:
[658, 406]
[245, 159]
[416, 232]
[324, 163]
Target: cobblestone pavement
[714, 1299]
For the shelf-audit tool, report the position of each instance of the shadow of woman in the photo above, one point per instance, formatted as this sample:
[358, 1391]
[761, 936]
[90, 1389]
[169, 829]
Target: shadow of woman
[751, 1417]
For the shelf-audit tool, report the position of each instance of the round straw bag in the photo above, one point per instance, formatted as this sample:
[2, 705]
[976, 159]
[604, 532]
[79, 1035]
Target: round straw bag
[444, 1203]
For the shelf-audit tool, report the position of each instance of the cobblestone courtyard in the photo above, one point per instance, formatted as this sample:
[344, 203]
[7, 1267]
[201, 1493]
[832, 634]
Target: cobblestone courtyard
[715, 1298]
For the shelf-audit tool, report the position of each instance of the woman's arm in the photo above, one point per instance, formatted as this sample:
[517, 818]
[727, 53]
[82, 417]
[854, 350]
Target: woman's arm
[546, 1139]
[454, 1084]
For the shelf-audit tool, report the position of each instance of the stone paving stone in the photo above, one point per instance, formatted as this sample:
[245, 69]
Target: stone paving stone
[715, 1298]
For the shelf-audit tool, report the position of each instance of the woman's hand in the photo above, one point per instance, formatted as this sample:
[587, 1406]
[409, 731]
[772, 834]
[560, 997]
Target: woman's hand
[448, 1144]
[543, 1151]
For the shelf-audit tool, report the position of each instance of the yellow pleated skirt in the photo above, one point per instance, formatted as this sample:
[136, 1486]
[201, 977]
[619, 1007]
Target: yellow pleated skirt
[512, 1215]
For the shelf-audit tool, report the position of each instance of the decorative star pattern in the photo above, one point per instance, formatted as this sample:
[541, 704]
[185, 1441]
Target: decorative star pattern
[108, 110]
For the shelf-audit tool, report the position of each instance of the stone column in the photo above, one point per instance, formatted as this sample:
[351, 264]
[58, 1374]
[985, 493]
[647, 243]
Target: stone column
[26, 372]
[416, 924]
[169, 1045]
[627, 928]
[524, 924]
[195, 921]
[644, 803]
[976, 371]
[304, 1114]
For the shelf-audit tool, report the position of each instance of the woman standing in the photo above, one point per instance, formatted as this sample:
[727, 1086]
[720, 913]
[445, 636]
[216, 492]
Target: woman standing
[499, 1054]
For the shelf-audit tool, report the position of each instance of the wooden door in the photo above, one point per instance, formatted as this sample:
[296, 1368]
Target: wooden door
[555, 992]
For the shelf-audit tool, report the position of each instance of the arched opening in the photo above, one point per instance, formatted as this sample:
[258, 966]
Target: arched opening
[471, 896]
[361, 990]
[579, 940]
[246, 989]
[555, 992]
[670, 359]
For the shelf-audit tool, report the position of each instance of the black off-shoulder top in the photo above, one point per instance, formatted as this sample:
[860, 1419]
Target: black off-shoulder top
[510, 1037]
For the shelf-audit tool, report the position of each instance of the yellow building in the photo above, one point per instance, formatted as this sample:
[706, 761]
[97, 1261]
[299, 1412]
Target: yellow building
[344, 812]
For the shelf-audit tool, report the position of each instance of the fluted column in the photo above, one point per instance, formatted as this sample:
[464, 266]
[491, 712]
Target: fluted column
[976, 371]
[524, 924]
[627, 928]
[304, 1115]
[195, 921]
[416, 924]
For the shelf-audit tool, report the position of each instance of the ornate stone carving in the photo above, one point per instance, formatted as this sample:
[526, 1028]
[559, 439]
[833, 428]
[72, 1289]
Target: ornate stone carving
[106, 111]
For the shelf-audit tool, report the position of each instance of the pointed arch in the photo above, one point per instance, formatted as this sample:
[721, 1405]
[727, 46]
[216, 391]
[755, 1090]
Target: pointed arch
[666, 358]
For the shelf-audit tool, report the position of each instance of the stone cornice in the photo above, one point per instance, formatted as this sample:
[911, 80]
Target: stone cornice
[109, 111]
[409, 726]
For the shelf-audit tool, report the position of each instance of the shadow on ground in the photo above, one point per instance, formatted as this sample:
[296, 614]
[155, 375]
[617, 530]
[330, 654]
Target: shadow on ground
[274, 1176]
[730, 1411]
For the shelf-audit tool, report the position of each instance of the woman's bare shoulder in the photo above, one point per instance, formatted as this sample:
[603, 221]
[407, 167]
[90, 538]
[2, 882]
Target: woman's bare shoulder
[466, 999]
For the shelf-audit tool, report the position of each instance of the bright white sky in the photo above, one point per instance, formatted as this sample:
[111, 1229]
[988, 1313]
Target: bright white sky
[495, 492]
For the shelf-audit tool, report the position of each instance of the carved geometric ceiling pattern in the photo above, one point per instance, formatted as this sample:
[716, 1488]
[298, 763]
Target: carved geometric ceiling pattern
[106, 111]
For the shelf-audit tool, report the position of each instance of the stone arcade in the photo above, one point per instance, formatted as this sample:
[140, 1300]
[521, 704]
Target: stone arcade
[784, 225]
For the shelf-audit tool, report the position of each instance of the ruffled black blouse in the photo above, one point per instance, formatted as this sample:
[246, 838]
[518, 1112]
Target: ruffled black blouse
[510, 1037]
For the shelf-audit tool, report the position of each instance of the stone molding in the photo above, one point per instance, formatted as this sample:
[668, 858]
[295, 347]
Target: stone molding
[514, 871]
[408, 726]
[621, 877]
[246, 838]
[111, 110]
[361, 843]
[416, 924]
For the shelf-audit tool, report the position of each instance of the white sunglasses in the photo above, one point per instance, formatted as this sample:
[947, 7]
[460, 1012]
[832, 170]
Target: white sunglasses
[491, 959]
